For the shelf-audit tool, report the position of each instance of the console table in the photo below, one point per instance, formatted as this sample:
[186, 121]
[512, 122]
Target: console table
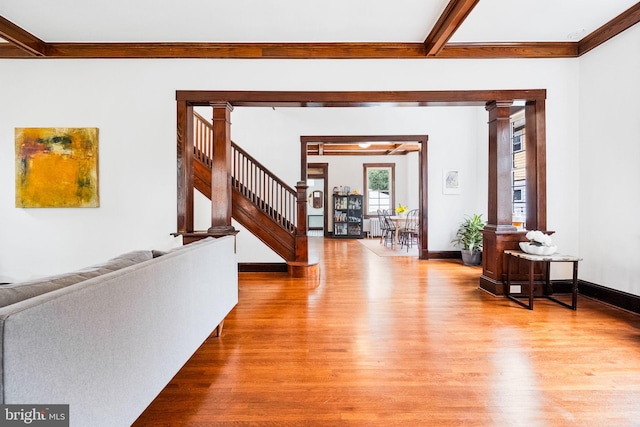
[547, 260]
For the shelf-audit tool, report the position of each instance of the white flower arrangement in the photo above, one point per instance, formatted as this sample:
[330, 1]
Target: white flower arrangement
[538, 238]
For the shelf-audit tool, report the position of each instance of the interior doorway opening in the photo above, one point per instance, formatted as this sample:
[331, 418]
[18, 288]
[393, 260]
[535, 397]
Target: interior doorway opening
[317, 198]
[346, 145]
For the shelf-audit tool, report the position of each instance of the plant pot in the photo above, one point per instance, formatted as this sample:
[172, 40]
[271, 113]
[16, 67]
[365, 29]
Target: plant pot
[471, 257]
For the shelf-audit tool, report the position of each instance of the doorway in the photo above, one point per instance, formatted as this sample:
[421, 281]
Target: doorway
[398, 144]
[317, 198]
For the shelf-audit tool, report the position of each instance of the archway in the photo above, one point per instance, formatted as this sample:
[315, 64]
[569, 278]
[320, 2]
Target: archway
[499, 233]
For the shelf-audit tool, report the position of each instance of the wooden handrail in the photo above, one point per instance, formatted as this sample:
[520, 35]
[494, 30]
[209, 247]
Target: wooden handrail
[252, 179]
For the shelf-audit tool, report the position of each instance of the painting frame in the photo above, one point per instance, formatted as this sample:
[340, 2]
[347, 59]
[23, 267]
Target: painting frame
[56, 168]
[451, 181]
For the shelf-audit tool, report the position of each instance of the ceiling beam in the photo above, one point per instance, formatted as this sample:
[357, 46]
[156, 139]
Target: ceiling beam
[349, 145]
[8, 50]
[399, 149]
[356, 139]
[453, 16]
[23, 44]
[357, 99]
[510, 50]
[238, 50]
[625, 20]
[298, 50]
[22, 39]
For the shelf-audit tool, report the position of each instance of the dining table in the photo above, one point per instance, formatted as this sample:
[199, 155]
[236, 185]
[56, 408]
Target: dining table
[399, 222]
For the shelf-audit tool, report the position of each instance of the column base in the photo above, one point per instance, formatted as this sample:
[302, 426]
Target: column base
[194, 236]
[306, 269]
[492, 286]
[222, 230]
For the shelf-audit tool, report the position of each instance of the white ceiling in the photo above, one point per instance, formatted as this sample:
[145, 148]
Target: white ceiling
[304, 20]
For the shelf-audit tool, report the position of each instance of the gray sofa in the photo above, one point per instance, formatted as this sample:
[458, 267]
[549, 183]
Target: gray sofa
[109, 343]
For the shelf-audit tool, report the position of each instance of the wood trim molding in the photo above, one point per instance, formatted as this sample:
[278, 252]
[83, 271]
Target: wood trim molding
[445, 255]
[609, 30]
[510, 50]
[24, 44]
[301, 50]
[238, 50]
[610, 296]
[353, 139]
[276, 99]
[8, 50]
[262, 267]
[453, 16]
[22, 39]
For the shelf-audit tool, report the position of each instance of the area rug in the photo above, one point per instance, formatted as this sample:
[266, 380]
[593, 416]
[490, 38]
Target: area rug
[380, 249]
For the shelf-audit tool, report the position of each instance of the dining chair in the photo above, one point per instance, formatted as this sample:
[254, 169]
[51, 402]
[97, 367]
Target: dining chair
[408, 234]
[384, 229]
[390, 235]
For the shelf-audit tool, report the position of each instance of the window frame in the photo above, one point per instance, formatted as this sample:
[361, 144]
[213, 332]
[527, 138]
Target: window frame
[365, 186]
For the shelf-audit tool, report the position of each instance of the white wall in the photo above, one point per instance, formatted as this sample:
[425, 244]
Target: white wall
[132, 102]
[609, 129]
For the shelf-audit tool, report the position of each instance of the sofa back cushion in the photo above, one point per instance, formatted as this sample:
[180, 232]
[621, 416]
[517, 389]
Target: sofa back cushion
[12, 293]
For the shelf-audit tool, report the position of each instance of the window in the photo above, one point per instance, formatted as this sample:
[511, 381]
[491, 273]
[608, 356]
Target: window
[379, 183]
[518, 171]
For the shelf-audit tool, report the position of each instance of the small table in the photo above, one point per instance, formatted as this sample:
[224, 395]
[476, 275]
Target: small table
[547, 260]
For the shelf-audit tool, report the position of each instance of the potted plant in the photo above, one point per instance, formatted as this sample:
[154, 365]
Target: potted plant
[469, 239]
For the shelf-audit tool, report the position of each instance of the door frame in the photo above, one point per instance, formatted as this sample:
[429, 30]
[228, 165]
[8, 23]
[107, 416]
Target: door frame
[324, 175]
[423, 168]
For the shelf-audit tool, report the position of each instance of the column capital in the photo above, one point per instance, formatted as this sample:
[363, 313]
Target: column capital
[223, 104]
[498, 104]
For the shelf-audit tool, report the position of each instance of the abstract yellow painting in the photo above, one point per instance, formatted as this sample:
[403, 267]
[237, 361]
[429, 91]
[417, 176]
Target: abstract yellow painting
[56, 167]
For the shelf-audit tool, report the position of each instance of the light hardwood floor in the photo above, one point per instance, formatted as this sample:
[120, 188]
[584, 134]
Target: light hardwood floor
[384, 341]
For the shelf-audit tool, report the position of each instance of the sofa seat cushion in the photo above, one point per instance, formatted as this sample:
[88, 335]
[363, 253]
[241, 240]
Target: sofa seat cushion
[10, 294]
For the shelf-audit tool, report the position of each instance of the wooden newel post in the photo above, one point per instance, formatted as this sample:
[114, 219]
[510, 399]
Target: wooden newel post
[220, 171]
[302, 250]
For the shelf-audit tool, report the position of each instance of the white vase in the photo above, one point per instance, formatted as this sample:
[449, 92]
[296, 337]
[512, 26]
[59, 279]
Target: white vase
[527, 247]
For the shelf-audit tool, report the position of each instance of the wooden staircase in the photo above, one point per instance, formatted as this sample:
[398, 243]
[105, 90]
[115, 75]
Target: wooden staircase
[261, 202]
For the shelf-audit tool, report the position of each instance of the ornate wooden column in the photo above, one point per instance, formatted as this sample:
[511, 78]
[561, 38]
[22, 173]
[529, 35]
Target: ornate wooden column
[499, 230]
[185, 167]
[536, 166]
[220, 171]
[302, 243]
[499, 235]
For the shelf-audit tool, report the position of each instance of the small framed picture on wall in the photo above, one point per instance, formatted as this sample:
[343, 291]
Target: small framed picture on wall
[450, 181]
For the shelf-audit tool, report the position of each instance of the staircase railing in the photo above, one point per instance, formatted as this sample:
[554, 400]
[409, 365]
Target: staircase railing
[252, 179]
[202, 139]
[266, 191]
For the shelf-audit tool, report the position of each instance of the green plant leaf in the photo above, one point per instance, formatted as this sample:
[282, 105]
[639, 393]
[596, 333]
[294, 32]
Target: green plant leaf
[469, 234]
